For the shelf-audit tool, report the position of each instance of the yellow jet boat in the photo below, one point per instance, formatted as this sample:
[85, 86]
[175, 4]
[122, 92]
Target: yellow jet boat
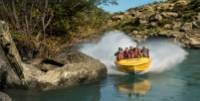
[134, 65]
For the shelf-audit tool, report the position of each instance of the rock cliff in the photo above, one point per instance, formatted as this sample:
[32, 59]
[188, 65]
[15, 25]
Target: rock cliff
[177, 19]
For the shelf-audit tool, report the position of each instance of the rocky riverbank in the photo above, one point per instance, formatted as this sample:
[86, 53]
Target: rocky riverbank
[177, 19]
[69, 68]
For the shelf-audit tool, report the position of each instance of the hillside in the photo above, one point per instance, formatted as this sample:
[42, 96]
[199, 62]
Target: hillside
[177, 19]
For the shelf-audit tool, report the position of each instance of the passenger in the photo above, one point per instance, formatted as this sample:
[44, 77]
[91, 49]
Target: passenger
[145, 51]
[126, 53]
[141, 53]
[130, 52]
[147, 54]
[134, 53]
[138, 53]
[119, 54]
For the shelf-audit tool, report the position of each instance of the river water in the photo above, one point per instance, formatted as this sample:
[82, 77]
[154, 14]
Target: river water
[180, 82]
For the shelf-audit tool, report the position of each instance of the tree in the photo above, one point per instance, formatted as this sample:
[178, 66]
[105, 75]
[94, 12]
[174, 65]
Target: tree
[51, 17]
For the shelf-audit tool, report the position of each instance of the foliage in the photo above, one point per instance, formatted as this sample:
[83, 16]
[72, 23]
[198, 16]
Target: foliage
[165, 21]
[44, 19]
[50, 16]
[195, 4]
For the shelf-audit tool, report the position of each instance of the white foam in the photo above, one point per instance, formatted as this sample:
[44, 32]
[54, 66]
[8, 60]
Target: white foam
[164, 54]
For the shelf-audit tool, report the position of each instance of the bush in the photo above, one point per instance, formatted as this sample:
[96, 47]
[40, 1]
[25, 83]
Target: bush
[164, 21]
[195, 4]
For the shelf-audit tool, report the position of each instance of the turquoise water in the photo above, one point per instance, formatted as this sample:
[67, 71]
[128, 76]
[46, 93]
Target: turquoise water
[181, 83]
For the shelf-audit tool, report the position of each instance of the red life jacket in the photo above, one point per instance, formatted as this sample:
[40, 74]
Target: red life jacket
[132, 54]
[120, 55]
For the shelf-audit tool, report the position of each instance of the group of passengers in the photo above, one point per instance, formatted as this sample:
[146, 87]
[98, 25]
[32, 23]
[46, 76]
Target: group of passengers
[131, 52]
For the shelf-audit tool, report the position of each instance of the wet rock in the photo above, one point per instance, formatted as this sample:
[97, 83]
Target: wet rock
[4, 97]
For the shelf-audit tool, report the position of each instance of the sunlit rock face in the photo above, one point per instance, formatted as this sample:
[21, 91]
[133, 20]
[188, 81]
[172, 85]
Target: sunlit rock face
[177, 19]
[77, 69]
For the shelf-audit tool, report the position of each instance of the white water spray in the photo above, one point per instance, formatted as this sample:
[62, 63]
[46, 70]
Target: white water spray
[164, 54]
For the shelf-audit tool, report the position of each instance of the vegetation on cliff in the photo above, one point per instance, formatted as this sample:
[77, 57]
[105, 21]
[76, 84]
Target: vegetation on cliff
[178, 19]
[47, 24]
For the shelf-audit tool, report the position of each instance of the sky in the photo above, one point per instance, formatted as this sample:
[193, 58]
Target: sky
[124, 5]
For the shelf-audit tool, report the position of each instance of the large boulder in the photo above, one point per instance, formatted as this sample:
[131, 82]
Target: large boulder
[4, 97]
[67, 69]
